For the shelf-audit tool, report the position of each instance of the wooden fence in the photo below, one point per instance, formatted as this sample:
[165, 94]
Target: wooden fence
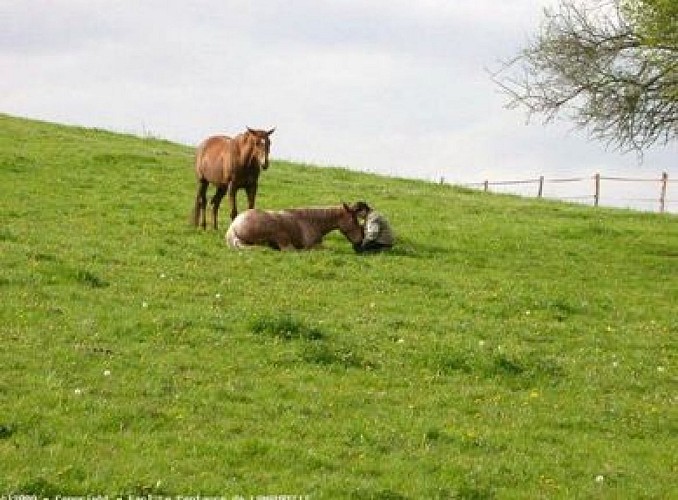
[595, 195]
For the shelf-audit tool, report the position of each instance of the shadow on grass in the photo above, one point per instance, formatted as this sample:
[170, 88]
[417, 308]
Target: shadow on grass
[406, 247]
[320, 353]
[519, 371]
[284, 327]
[316, 349]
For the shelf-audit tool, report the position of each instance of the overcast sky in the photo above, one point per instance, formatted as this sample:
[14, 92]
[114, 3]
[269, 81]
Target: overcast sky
[389, 86]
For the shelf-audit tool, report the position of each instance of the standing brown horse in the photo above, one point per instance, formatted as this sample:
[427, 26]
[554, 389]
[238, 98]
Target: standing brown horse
[230, 164]
[300, 228]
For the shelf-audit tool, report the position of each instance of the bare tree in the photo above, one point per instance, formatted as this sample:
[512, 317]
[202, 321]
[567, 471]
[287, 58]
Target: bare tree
[596, 66]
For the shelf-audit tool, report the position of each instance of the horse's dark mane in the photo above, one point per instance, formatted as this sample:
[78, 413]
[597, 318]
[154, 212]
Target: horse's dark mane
[315, 213]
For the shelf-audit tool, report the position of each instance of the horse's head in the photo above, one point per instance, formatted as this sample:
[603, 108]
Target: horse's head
[260, 143]
[349, 224]
[362, 209]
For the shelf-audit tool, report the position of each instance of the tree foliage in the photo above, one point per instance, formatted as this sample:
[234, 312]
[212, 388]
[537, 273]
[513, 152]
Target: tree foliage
[609, 66]
[656, 21]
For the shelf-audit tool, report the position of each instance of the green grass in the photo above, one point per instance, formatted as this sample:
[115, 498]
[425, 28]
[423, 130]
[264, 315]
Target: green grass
[507, 348]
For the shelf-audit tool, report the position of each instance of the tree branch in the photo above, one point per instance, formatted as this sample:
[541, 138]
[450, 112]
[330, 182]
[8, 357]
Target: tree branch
[595, 67]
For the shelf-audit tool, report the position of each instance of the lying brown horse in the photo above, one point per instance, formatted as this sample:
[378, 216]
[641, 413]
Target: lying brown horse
[293, 229]
[230, 164]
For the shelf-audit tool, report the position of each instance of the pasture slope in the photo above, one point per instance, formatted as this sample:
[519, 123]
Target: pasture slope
[508, 348]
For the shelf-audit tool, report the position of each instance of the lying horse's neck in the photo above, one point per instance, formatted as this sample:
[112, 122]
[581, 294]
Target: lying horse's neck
[322, 220]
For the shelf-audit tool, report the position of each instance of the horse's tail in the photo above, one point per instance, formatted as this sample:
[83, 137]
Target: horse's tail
[197, 158]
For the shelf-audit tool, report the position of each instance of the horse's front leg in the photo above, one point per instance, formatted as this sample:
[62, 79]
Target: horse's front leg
[283, 247]
[282, 242]
[251, 195]
[231, 200]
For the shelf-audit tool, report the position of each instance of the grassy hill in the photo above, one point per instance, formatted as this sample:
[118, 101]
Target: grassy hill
[508, 348]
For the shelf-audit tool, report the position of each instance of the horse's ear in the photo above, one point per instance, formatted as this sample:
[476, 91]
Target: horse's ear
[346, 207]
[270, 131]
[250, 130]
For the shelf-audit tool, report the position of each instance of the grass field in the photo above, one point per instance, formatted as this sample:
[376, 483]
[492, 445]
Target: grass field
[507, 348]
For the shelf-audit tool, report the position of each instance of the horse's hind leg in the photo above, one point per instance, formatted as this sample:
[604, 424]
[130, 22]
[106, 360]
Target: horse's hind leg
[216, 201]
[233, 240]
[201, 204]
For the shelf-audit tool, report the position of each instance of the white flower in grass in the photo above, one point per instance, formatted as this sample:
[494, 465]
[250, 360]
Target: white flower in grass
[78, 392]
[144, 304]
[217, 296]
[107, 373]
[162, 276]
[600, 478]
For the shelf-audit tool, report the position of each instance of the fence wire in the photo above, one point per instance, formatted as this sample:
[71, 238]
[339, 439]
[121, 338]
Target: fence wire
[662, 201]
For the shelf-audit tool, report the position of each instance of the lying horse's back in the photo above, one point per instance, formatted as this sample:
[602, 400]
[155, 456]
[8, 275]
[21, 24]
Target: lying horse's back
[293, 228]
[248, 228]
[277, 229]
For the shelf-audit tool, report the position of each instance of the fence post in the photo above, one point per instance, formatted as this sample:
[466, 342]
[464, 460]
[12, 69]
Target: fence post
[596, 196]
[541, 186]
[487, 185]
[662, 196]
